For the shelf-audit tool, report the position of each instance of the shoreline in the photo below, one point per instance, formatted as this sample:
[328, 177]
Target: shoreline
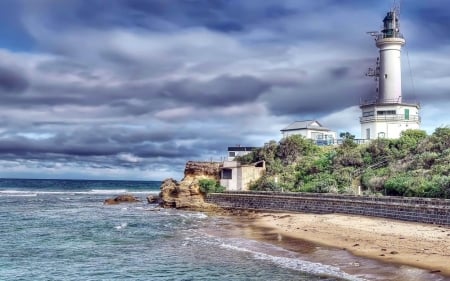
[388, 241]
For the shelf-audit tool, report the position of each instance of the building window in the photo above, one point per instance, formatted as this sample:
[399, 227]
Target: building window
[368, 134]
[231, 154]
[316, 136]
[386, 112]
[227, 174]
[368, 113]
[385, 76]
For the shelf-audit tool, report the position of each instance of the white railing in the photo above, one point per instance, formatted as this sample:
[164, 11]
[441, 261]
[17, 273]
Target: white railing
[388, 101]
[397, 117]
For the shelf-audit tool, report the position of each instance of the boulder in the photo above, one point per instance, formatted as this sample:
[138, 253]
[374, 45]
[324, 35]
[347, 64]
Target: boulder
[153, 199]
[186, 194]
[124, 198]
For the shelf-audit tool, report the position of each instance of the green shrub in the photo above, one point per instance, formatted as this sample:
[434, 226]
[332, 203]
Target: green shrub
[398, 185]
[409, 140]
[265, 183]
[374, 179]
[320, 183]
[438, 187]
[293, 147]
[426, 160]
[210, 186]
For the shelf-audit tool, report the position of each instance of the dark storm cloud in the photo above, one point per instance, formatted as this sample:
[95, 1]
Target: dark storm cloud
[126, 84]
[217, 15]
[12, 81]
[221, 91]
[340, 72]
[90, 144]
[344, 87]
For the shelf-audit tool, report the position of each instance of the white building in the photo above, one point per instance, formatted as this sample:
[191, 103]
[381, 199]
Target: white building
[235, 151]
[387, 115]
[310, 129]
[237, 177]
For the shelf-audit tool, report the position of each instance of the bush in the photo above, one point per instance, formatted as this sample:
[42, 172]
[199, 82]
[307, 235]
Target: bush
[293, 147]
[437, 187]
[412, 184]
[265, 183]
[425, 160]
[374, 179]
[398, 185]
[320, 183]
[409, 140]
[210, 186]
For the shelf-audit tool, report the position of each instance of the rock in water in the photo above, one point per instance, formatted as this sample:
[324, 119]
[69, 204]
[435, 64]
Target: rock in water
[124, 198]
[152, 199]
[186, 193]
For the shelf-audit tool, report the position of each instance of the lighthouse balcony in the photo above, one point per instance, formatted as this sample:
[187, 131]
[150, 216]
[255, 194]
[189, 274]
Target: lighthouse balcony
[390, 118]
[364, 103]
[389, 35]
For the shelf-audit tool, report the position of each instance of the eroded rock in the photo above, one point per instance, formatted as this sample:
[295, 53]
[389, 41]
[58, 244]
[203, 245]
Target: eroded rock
[124, 198]
[186, 193]
[153, 199]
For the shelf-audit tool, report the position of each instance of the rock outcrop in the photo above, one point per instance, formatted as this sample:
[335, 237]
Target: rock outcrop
[186, 193]
[152, 199]
[124, 198]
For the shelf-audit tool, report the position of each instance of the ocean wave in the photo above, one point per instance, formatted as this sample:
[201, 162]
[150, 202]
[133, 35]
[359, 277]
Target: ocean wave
[284, 261]
[105, 191]
[121, 226]
[17, 193]
[193, 215]
[13, 192]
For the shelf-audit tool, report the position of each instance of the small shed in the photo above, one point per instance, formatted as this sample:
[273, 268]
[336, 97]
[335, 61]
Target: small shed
[236, 177]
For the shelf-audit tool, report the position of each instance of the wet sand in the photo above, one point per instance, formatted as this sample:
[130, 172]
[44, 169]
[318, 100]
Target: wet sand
[387, 241]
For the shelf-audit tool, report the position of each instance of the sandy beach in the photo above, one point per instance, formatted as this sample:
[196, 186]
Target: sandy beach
[404, 243]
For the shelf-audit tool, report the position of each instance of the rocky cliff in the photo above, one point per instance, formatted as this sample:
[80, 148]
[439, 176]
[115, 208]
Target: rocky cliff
[186, 193]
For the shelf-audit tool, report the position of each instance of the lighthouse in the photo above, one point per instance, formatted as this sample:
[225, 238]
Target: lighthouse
[387, 113]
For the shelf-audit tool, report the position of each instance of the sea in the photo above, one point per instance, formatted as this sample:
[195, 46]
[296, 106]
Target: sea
[61, 230]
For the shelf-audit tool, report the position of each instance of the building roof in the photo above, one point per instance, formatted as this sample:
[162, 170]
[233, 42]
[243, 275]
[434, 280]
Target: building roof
[241, 148]
[304, 125]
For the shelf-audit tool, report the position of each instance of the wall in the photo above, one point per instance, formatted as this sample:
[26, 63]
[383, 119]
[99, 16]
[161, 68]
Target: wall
[241, 175]
[425, 210]
[249, 174]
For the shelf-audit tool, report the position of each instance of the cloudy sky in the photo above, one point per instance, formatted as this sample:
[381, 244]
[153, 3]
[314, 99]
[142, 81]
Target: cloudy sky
[132, 89]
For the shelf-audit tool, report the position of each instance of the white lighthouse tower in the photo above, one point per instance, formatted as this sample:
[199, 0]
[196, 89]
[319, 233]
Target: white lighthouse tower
[387, 114]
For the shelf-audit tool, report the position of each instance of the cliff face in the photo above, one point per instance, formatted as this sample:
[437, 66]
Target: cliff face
[186, 193]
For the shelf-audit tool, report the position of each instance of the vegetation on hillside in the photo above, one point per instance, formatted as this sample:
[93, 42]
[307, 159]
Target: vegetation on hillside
[413, 165]
[210, 186]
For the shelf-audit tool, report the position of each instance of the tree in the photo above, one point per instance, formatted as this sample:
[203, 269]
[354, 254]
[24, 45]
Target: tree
[409, 140]
[292, 147]
[346, 135]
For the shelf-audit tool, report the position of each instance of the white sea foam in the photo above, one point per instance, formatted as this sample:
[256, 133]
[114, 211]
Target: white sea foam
[105, 191]
[17, 193]
[121, 226]
[193, 215]
[13, 192]
[294, 263]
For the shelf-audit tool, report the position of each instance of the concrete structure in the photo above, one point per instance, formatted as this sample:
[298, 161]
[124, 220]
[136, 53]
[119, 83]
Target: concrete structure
[235, 151]
[424, 210]
[234, 176]
[310, 129]
[387, 115]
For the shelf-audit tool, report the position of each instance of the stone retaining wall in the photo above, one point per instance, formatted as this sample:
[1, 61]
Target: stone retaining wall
[425, 210]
